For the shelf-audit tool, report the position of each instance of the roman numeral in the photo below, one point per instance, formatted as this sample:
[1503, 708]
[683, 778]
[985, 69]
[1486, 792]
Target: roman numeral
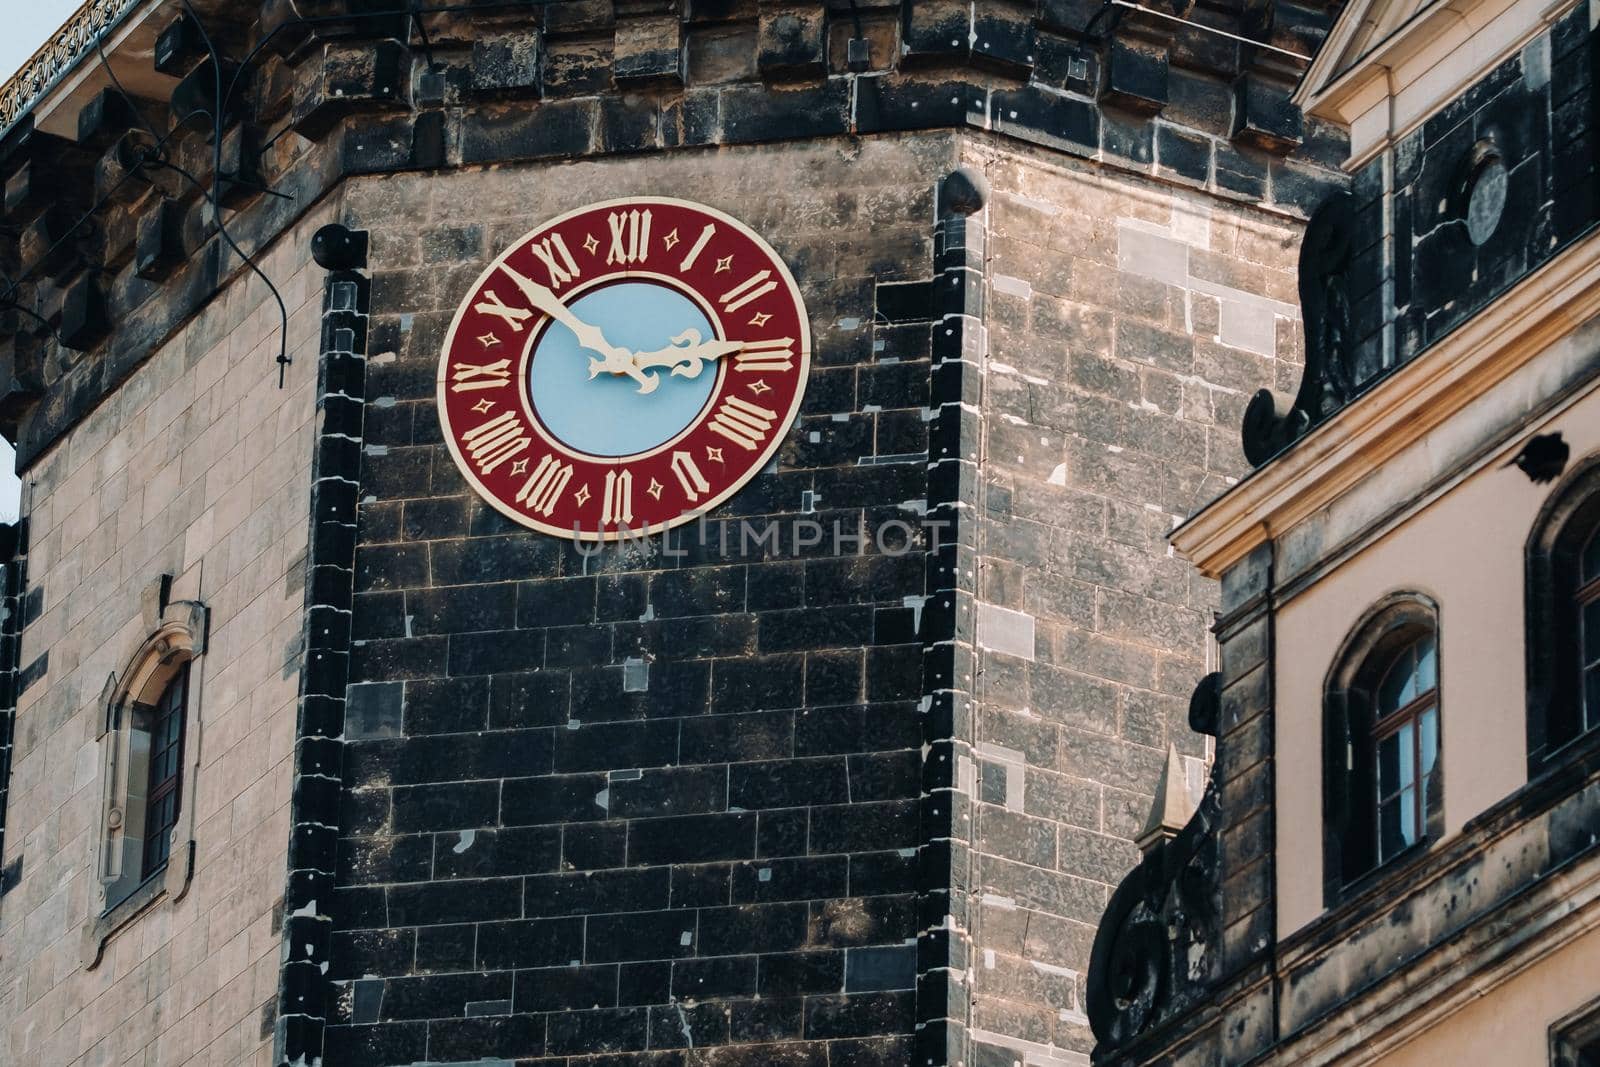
[493, 305]
[630, 236]
[765, 355]
[495, 441]
[694, 483]
[742, 422]
[544, 486]
[698, 247]
[552, 252]
[757, 285]
[617, 504]
[469, 376]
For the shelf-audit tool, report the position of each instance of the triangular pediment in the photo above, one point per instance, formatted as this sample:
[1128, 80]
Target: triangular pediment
[1387, 65]
[1361, 27]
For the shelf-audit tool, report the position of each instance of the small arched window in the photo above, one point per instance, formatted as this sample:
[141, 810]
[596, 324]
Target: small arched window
[1383, 787]
[149, 731]
[1563, 607]
[148, 740]
[163, 734]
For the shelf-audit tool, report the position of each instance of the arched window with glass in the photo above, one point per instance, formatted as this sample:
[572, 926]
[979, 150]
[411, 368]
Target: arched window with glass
[1383, 784]
[1563, 619]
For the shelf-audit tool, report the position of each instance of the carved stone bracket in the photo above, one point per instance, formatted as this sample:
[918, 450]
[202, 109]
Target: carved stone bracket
[1154, 952]
[1329, 379]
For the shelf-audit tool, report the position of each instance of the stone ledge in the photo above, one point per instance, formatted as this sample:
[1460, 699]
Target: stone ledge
[321, 103]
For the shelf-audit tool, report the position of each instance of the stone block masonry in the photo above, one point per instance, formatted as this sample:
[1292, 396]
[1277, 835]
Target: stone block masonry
[198, 469]
[815, 802]
[1112, 390]
[629, 805]
[624, 804]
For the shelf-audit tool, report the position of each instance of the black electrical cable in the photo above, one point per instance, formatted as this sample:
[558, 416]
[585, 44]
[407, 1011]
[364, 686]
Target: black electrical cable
[1107, 8]
[219, 102]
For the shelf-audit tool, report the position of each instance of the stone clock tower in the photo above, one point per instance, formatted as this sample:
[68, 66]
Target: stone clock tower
[602, 534]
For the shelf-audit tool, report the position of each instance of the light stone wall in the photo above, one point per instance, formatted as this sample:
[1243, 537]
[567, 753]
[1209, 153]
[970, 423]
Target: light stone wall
[1129, 320]
[197, 466]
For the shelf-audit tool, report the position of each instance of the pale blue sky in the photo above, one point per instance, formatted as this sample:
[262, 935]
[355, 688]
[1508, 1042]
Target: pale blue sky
[24, 26]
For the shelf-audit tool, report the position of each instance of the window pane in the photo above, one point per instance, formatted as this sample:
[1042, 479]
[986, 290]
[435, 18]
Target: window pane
[1591, 556]
[1408, 771]
[1591, 698]
[1389, 766]
[1427, 666]
[1390, 838]
[1408, 815]
[1591, 631]
[1430, 739]
[1397, 685]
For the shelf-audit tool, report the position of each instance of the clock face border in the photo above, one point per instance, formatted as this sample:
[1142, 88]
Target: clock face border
[522, 360]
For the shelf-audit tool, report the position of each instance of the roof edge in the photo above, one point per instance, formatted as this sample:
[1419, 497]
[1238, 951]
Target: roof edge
[58, 57]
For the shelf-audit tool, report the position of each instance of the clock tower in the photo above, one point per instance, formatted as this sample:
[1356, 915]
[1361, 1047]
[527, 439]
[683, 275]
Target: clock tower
[700, 594]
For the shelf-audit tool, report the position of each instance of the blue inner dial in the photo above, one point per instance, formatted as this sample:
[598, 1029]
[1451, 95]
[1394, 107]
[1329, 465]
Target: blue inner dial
[607, 415]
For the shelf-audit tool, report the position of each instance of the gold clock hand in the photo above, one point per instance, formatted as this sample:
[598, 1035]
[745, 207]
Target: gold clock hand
[616, 360]
[686, 354]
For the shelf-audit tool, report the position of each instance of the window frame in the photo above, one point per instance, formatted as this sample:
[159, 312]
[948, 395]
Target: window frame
[1575, 1039]
[1386, 724]
[1352, 729]
[157, 791]
[1587, 594]
[1557, 722]
[171, 653]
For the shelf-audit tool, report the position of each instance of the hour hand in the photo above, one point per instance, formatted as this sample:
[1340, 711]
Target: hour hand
[686, 355]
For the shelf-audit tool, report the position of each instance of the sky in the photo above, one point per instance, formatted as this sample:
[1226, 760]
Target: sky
[23, 28]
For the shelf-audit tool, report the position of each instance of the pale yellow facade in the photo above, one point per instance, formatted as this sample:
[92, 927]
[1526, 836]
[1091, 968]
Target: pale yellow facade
[1463, 548]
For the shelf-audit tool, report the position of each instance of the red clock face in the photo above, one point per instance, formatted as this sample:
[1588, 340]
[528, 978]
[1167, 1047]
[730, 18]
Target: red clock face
[623, 368]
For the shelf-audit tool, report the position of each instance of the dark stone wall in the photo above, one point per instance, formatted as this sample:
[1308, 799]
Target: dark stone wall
[628, 803]
[1537, 111]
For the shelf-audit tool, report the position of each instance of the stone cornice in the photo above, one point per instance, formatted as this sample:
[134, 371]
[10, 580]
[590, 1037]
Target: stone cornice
[1398, 411]
[115, 243]
[1534, 888]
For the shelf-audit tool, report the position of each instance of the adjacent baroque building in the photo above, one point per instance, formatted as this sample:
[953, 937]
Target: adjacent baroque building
[312, 751]
[1397, 858]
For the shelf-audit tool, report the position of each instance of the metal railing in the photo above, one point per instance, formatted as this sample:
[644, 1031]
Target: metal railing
[57, 57]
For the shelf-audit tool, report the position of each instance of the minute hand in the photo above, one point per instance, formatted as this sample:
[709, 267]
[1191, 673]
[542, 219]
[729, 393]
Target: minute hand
[616, 360]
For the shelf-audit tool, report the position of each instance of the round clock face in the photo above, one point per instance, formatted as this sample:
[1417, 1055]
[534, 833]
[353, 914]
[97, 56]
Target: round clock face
[623, 368]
